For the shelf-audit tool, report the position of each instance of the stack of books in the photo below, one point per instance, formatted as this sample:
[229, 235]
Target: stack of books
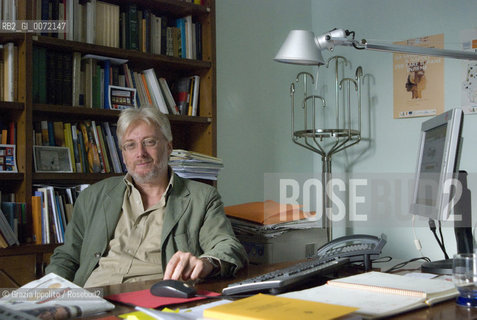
[194, 165]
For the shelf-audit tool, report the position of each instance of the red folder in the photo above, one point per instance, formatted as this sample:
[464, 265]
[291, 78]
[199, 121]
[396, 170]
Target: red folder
[144, 298]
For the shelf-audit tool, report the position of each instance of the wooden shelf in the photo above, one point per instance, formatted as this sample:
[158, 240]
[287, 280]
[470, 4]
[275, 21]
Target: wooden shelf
[14, 106]
[71, 178]
[174, 8]
[12, 37]
[73, 113]
[11, 176]
[189, 120]
[25, 249]
[139, 59]
[76, 113]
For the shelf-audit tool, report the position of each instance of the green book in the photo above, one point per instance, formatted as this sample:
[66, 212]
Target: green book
[97, 87]
[42, 75]
[132, 26]
[36, 76]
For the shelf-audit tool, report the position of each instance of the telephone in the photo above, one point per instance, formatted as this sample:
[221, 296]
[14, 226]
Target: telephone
[357, 248]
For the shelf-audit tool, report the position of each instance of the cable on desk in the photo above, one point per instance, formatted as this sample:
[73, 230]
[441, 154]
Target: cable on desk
[417, 242]
[403, 264]
[382, 259]
[377, 260]
[432, 226]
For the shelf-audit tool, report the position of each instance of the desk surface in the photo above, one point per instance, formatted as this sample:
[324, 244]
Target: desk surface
[445, 310]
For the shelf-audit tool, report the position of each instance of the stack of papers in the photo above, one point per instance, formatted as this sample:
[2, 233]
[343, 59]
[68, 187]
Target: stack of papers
[269, 218]
[194, 165]
[378, 295]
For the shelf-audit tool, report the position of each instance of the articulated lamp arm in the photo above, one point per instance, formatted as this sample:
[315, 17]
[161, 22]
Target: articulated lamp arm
[302, 47]
[337, 37]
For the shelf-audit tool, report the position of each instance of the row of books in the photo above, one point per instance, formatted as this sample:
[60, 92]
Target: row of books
[7, 196]
[8, 132]
[8, 71]
[52, 208]
[65, 78]
[13, 224]
[128, 26]
[93, 146]
[181, 98]
[141, 29]
[6, 230]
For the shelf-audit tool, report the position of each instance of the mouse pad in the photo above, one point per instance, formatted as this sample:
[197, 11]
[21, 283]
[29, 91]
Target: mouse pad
[144, 298]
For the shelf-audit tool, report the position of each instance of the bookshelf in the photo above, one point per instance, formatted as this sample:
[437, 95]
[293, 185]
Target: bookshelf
[196, 133]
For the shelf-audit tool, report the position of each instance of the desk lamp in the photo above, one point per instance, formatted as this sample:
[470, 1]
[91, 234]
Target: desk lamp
[303, 48]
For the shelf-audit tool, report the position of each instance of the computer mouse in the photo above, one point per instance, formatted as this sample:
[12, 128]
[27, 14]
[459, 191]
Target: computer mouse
[172, 289]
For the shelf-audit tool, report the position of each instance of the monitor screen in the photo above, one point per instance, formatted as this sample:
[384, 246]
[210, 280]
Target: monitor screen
[436, 165]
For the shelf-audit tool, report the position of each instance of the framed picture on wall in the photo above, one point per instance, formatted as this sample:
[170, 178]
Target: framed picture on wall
[52, 159]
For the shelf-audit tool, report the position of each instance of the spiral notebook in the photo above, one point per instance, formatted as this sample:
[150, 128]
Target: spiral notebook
[378, 294]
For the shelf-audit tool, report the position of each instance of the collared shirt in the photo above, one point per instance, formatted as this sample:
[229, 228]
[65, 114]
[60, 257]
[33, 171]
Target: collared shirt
[135, 251]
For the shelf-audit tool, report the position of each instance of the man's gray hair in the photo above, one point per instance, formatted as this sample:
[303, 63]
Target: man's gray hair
[148, 114]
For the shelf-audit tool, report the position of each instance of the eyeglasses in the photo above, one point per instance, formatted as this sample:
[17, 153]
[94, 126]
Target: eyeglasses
[147, 143]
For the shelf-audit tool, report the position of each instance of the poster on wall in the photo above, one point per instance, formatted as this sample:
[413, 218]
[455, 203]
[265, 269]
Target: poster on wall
[418, 80]
[469, 83]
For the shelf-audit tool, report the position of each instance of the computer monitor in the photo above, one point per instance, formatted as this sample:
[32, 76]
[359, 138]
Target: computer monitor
[436, 164]
[437, 181]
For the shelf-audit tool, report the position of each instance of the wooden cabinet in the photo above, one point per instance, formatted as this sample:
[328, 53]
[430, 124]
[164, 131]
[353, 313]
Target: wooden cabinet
[196, 133]
[19, 265]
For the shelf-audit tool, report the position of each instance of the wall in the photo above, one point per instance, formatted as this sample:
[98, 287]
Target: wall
[392, 143]
[254, 102]
[253, 95]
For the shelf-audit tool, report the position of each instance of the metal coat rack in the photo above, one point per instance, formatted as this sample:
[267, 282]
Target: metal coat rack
[343, 133]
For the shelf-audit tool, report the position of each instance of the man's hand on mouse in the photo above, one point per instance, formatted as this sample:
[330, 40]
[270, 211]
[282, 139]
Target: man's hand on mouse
[185, 266]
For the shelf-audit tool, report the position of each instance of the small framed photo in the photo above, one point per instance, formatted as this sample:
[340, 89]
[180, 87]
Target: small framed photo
[52, 159]
[122, 97]
[8, 162]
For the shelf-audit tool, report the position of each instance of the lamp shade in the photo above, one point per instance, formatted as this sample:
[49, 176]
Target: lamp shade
[300, 48]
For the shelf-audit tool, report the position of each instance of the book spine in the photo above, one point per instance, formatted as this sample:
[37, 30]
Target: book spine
[9, 79]
[107, 82]
[112, 148]
[98, 145]
[69, 144]
[42, 75]
[76, 148]
[90, 147]
[67, 85]
[104, 150]
[36, 218]
[83, 153]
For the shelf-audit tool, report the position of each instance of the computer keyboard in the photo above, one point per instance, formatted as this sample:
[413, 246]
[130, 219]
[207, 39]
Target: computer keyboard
[281, 279]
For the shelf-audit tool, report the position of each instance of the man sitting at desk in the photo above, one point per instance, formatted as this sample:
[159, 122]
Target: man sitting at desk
[149, 224]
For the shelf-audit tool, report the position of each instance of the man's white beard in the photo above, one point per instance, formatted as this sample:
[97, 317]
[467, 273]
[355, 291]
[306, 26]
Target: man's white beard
[151, 175]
